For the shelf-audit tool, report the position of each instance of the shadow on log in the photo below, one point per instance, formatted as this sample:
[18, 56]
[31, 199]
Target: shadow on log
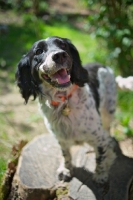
[36, 178]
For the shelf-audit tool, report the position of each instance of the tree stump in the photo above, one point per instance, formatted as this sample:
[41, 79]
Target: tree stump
[36, 178]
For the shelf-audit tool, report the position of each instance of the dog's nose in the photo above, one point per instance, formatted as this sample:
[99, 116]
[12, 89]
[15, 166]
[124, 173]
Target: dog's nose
[60, 57]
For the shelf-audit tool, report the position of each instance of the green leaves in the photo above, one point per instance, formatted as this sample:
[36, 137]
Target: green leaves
[111, 21]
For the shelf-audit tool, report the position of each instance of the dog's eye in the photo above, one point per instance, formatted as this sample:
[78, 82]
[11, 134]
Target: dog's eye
[62, 45]
[39, 51]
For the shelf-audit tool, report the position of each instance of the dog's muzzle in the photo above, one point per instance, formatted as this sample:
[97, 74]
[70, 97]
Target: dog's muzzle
[56, 69]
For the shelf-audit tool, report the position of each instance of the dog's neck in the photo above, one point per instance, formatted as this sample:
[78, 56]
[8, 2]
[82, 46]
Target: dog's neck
[65, 97]
[57, 96]
[60, 98]
[68, 101]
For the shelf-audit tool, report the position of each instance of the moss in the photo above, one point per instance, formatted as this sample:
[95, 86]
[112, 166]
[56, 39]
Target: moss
[4, 190]
[11, 169]
[62, 191]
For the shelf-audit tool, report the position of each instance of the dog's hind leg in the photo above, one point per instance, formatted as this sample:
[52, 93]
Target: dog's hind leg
[107, 92]
[100, 139]
[105, 157]
[105, 154]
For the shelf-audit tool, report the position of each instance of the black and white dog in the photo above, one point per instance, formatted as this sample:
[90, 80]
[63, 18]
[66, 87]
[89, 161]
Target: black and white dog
[77, 103]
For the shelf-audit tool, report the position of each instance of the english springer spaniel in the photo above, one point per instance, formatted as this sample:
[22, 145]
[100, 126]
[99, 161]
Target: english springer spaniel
[77, 102]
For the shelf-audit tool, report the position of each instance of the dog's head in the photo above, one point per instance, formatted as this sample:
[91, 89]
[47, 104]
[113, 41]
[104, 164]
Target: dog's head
[55, 62]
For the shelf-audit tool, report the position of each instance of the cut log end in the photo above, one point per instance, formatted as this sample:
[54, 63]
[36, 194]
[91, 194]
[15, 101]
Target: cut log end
[36, 177]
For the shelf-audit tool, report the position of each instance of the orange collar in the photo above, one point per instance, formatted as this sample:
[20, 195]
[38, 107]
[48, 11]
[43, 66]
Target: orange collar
[63, 98]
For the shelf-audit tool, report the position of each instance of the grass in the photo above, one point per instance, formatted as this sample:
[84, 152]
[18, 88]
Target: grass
[2, 167]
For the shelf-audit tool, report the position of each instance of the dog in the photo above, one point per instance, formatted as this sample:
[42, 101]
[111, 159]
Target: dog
[78, 102]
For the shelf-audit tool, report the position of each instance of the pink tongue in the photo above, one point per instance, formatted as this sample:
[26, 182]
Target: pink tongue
[62, 76]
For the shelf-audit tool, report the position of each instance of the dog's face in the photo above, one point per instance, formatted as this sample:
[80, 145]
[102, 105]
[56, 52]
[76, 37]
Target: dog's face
[52, 58]
[55, 62]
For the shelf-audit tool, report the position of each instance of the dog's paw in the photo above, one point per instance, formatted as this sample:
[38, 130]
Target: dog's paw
[101, 178]
[63, 174]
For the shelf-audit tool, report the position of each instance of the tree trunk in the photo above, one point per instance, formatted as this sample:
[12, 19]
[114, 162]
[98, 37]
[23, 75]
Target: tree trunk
[36, 178]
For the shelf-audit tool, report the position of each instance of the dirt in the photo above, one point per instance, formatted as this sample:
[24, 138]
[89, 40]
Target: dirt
[17, 120]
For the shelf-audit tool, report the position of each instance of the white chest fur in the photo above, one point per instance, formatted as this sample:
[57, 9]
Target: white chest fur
[82, 119]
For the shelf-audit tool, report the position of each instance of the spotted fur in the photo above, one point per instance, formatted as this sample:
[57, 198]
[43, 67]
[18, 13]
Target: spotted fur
[92, 104]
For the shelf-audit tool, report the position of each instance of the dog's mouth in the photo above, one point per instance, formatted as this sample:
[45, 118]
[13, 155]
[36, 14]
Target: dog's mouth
[59, 79]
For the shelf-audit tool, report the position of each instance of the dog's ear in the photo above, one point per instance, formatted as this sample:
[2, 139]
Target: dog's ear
[79, 75]
[25, 81]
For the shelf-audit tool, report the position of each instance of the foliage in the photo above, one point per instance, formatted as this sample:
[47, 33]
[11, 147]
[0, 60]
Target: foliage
[35, 6]
[124, 115]
[33, 29]
[112, 21]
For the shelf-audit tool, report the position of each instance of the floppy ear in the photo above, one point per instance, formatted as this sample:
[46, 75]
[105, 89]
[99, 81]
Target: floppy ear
[79, 75]
[28, 86]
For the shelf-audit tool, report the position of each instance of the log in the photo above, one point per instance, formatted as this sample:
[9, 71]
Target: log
[36, 179]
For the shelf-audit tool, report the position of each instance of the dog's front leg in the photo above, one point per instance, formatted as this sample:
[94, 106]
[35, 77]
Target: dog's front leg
[64, 170]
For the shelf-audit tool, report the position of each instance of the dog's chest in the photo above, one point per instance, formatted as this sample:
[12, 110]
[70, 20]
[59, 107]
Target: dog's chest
[78, 123]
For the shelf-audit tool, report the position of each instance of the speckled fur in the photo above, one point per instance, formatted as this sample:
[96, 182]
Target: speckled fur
[84, 123]
[92, 104]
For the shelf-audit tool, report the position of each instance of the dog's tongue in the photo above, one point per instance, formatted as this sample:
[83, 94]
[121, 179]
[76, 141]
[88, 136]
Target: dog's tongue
[61, 76]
